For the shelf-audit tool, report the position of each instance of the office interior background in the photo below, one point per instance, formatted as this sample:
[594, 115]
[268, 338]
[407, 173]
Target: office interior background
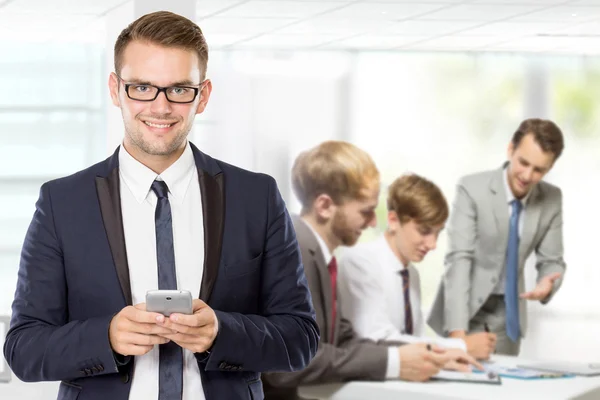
[434, 87]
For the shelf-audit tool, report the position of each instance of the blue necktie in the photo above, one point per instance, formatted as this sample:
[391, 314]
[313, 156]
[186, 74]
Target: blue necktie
[511, 292]
[170, 378]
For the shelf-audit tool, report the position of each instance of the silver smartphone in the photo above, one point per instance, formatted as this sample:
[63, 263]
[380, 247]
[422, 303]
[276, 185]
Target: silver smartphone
[167, 302]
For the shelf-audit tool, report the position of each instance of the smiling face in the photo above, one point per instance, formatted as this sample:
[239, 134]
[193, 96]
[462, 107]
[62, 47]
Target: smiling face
[159, 127]
[528, 164]
[353, 216]
[410, 240]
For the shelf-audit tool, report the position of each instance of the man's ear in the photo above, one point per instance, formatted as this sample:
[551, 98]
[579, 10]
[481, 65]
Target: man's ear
[113, 88]
[393, 221]
[510, 150]
[324, 207]
[205, 91]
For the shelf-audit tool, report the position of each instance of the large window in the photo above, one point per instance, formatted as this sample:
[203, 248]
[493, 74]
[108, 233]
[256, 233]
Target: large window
[51, 125]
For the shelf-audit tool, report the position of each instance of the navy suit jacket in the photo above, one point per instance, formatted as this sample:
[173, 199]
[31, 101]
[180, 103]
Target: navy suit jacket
[73, 278]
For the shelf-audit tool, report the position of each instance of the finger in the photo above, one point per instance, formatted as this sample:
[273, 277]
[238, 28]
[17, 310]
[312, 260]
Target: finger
[181, 338]
[437, 349]
[143, 340]
[178, 328]
[456, 366]
[439, 360]
[147, 329]
[463, 357]
[140, 306]
[198, 304]
[554, 276]
[476, 364]
[135, 350]
[202, 317]
[526, 295]
[142, 316]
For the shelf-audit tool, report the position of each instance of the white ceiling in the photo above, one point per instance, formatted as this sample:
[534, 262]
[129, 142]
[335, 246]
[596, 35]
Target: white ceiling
[550, 26]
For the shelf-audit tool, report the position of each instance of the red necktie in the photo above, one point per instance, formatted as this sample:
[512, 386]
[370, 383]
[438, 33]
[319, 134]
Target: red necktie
[408, 319]
[333, 277]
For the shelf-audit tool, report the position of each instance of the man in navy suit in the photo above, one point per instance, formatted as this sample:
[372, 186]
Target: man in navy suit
[160, 214]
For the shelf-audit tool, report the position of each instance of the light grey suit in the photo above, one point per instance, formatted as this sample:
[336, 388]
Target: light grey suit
[347, 357]
[476, 258]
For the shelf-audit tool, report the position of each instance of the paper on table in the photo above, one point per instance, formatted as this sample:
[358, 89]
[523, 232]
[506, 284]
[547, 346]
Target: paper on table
[522, 373]
[469, 377]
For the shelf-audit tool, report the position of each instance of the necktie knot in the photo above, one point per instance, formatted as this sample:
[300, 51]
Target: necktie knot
[516, 206]
[404, 273]
[161, 189]
[332, 265]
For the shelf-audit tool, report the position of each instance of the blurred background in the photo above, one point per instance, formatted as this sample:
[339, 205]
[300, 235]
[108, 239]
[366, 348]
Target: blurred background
[433, 87]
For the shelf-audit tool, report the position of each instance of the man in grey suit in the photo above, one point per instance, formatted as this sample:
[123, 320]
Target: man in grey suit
[338, 186]
[498, 219]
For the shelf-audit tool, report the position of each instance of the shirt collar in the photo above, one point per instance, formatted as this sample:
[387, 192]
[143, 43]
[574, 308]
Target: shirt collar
[390, 257]
[509, 194]
[324, 249]
[139, 178]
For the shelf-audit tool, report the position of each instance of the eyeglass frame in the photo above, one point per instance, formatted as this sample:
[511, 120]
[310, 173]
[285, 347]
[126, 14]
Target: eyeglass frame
[160, 89]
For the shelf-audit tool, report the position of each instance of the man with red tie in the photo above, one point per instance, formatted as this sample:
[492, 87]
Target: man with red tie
[338, 187]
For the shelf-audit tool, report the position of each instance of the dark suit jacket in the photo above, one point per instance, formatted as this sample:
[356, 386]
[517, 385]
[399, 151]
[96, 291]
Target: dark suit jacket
[73, 278]
[346, 358]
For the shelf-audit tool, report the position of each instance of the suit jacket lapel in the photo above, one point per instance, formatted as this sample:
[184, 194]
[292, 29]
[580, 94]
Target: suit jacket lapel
[109, 196]
[500, 207]
[307, 237]
[532, 214]
[212, 190]
[213, 212]
[319, 260]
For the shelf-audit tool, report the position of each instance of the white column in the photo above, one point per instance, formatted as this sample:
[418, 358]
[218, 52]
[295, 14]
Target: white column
[116, 21]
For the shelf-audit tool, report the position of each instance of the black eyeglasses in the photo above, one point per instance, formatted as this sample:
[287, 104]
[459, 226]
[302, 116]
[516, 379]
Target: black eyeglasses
[175, 94]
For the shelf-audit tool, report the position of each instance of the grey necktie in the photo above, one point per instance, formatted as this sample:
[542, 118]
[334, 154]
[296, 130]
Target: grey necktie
[170, 380]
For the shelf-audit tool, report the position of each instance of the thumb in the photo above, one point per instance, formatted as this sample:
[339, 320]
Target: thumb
[437, 349]
[198, 304]
[554, 276]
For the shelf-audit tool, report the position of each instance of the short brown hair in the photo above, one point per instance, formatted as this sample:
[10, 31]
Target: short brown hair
[413, 197]
[165, 29]
[545, 132]
[336, 168]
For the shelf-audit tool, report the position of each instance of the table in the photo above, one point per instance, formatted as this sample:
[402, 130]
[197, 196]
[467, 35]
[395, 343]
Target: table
[577, 388]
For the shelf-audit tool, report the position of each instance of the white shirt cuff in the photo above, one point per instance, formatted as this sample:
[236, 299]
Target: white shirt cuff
[393, 364]
[458, 343]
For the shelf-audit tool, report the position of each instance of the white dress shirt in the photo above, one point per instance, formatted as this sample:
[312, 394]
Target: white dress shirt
[393, 359]
[371, 289]
[499, 289]
[138, 203]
